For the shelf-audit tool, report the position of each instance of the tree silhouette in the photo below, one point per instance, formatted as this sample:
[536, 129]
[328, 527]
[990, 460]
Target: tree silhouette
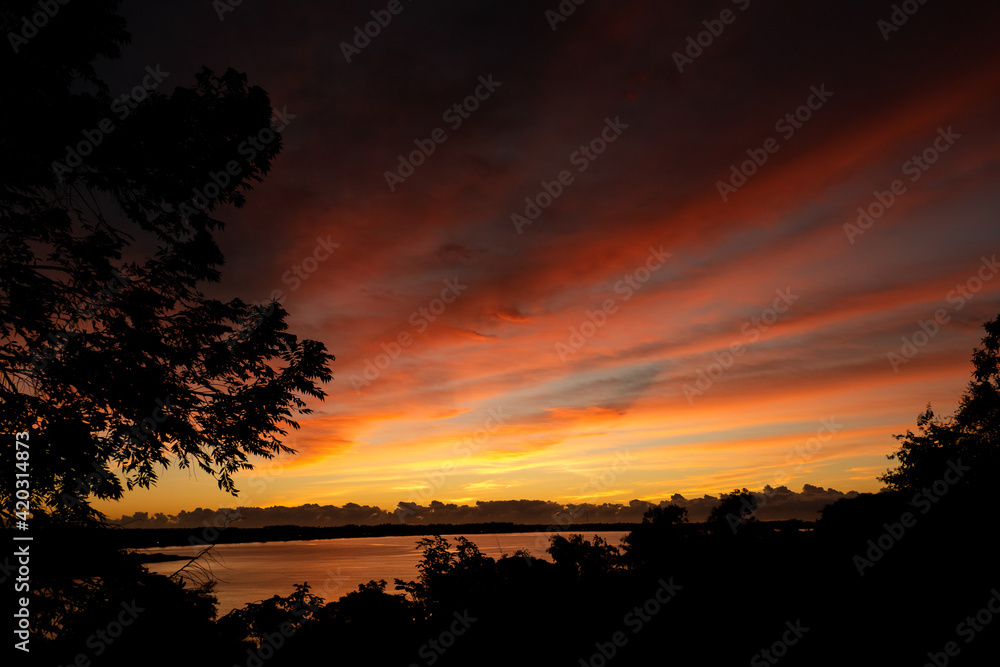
[449, 579]
[735, 509]
[970, 436]
[665, 515]
[111, 357]
[113, 362]
[659, 534]
[582, 559]
[256, 620]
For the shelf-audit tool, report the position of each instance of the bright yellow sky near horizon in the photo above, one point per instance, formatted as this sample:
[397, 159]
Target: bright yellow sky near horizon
[599, 457]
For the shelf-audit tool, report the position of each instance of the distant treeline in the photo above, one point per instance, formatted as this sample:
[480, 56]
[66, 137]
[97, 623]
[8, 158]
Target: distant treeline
[146, 538]
[773, 503]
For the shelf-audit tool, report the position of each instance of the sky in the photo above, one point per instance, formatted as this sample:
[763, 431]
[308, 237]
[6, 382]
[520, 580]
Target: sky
[622, 252]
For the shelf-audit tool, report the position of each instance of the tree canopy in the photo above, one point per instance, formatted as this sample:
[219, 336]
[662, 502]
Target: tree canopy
[734, 509]
[111, 356]
[971, 434]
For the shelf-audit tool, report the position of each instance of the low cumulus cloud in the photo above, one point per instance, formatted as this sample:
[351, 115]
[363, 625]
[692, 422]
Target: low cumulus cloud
[775, 504]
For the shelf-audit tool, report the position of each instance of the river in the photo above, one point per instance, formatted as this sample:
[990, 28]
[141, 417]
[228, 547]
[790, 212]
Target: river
[253, 571]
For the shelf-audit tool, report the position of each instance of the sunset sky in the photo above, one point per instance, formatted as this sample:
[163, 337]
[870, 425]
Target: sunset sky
[646, 330]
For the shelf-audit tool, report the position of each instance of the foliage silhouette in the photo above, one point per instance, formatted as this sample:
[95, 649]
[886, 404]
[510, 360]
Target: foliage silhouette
[971, 435]
[449, 579]
[734, 510]
[661, 530]
[110, 354]
[255, 621]
[582, 559]
[111, 357]
[665, 515]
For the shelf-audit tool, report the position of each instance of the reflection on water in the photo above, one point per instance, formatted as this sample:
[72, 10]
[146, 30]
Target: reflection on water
[255, 571]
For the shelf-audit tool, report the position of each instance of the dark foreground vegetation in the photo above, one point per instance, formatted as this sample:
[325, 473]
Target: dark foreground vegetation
[867, 586]
[96, 341]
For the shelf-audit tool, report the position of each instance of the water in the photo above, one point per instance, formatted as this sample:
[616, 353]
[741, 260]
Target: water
[254, 571]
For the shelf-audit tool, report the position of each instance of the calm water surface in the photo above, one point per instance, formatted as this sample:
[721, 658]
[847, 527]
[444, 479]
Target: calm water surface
[254, 571]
